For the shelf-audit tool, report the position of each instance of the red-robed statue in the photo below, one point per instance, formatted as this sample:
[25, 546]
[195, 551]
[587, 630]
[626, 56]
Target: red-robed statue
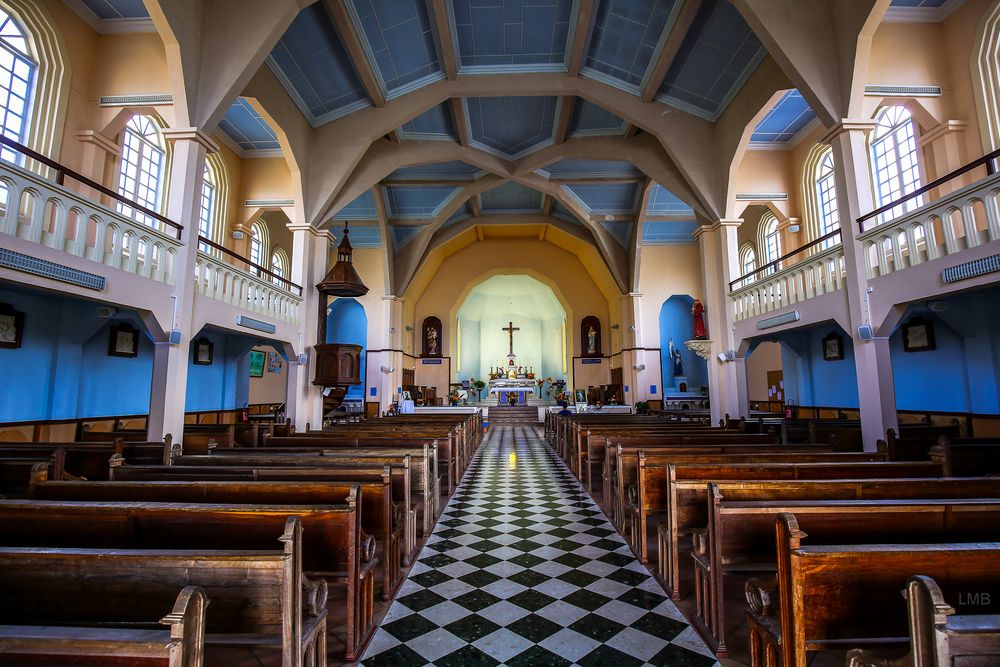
[697, 312]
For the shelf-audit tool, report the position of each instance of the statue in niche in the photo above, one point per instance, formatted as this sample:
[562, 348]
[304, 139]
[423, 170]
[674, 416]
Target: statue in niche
[590, 336]
[697, 313]
[675, 358]
[432, 338]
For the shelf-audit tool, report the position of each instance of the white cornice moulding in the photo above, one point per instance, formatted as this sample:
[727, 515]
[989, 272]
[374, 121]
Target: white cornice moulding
[99, 140]
[190, 134]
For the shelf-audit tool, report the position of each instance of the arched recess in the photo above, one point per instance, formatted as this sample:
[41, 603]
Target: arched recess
[809, 199]
[52, 75]
[765, 372]
[677, 325]
[347, 322]
[222, 381]
[986, 77]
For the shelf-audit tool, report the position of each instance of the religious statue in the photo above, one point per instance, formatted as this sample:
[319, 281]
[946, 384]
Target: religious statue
[675, 358]
[591, 341]
[697, 313]
[432, 340]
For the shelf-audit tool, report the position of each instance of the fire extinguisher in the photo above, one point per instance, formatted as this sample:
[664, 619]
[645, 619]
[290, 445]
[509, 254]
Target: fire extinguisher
[788, 410]
[245, 414]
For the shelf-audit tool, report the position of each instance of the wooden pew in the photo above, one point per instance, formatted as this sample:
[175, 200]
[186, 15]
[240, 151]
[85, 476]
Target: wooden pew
[108, 629]
[835, 597]
[16, 473]
[258, 596]
[381, 515]
[401, 480]
[963, 457]
[89, 460]
[911, 442]
[674, 496]
[939, 636]
[739, 539]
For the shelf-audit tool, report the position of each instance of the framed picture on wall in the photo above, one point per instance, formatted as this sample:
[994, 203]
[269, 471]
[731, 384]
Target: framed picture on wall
[580, 396]
[833, 347]
[11, 326]
[123, 341]
[918, 335]
[203, 352]
[256, 364]
[273, 362]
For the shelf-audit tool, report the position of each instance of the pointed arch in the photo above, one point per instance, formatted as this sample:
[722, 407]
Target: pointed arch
[259, 244]
[895, 160]
[279, 265]
[807, 185]
[986, 77]
[768, 238]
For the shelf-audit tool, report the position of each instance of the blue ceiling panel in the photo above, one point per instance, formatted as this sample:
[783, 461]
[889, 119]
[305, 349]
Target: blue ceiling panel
[401, 41]
[433, 124]
[719, 53]
[416, 201]
[312, 64]
[511, 198]
[664, 202]
[620, 231]
[918, 3]
[403, 235]
[362, 208]
[118, 9]
[560, 211]
[361, 236]
[606, 198]
[248, 129]
[668, 233]
[459, 215]
[590, 120]
[625, 38]
[512, 35]
[785, 120]
[570, 168]
[511, 126]
[453, 169]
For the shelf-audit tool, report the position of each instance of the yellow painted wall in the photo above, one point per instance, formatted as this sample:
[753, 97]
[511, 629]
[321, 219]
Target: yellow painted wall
[766, 357]
[664, 271]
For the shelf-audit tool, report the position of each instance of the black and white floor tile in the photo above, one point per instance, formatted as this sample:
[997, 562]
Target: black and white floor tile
[524, 569]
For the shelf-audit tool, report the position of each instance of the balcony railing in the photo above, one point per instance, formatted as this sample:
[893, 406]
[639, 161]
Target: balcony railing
[254, 288]
[771, 287]
[963, 219]
[41, 211]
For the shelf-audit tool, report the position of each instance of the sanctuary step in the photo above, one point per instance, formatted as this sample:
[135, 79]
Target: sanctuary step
[518, 414]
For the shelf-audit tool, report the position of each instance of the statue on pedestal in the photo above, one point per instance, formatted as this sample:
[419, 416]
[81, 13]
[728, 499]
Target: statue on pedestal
[591, 341]
[675, 359]
[697, 313]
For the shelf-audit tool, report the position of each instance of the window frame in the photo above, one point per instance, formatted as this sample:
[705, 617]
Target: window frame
[886, 144]
[826, 197]
[26, 58]
[207, 211]
[134, 170]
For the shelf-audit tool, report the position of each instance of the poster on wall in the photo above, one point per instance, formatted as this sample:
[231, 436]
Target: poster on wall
[123, 341]
[11, 326]
[273, 362]
[256, 364]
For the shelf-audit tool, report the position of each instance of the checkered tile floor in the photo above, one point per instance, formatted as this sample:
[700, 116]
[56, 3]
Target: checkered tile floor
[524, 569]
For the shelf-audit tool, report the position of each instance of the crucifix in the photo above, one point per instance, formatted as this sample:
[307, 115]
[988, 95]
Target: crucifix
[510, 329]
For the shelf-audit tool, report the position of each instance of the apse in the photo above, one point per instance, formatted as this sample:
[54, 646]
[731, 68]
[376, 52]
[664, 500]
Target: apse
[533, 309]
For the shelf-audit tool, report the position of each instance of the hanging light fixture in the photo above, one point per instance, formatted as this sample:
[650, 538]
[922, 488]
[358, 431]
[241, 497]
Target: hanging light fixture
[343, 279]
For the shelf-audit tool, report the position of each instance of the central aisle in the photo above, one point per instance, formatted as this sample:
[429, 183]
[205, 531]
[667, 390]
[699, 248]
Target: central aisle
[524, 569]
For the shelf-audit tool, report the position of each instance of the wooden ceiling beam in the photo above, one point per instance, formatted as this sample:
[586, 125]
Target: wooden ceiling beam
[547, 204]
[442, 26]
[458, 116]
[474, 205]
[566, 105]
[581, 33]
[670, 48]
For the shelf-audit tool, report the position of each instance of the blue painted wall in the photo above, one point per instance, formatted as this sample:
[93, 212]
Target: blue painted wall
[346, 322]
[62, 369]
[676, 323]
[811, 380]
[224, 385]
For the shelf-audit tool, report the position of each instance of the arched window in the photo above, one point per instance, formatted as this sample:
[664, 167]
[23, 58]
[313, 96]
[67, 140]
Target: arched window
[748, 262]
[826, 198]
[206, 213]
[279, 265]
[258, 244]
[772, 239]
[140, 175]
[894, 160]
[16, 74]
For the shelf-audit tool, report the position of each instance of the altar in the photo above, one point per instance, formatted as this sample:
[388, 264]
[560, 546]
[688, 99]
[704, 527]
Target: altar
[503, 388]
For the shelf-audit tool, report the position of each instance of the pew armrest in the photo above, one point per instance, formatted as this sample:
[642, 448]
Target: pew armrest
[315, 595]
[760, 595]
[860, 657]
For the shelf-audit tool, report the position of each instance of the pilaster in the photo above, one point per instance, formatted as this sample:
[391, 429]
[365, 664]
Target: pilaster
[97, 149]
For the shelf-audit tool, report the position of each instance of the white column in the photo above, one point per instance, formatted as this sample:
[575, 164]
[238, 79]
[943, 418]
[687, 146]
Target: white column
[720, 264]
[310, 249]
[640, 366]
[390, 356]
[170, 361]
[94, 163]
[872, 361]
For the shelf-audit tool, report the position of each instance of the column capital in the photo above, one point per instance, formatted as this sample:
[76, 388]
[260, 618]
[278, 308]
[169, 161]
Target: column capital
[309, 229]
[190, 134]
[97, 139]
[394, 298]
[715, 226]
[629, 295]
[865, 125]
[942, 130]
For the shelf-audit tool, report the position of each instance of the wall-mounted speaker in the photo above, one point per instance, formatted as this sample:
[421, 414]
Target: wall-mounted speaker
[865, 332]
[174, 338]
[106, 311]
[303, 359]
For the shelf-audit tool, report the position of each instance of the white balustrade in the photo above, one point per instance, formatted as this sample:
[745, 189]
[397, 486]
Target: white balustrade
[816, 275]
[960, 220]
[36, 209]
[220, 280]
